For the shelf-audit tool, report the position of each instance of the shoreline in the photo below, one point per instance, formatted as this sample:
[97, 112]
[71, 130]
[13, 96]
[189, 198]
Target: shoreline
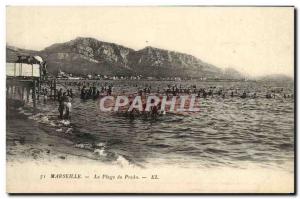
[41, 143]
[44, 153]
[28, 140]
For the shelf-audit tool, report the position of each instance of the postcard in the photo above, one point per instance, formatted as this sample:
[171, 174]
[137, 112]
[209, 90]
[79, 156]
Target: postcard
[151, 99]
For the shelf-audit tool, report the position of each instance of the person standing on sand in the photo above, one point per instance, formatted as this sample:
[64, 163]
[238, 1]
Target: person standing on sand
[61, 106]
[61, 109]
[45, 95]
[68, 106]
[59, 94]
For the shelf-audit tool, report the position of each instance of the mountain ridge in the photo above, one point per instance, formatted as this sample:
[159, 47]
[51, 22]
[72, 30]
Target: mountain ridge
[86, 55]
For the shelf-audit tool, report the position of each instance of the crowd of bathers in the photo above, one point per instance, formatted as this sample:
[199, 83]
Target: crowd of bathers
[212, 91]
[95, 90]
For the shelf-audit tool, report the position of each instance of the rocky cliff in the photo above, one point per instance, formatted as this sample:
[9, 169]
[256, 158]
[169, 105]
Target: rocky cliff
[90, 56]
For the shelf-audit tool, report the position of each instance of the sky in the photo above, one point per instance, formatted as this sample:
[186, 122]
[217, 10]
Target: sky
[253, 40]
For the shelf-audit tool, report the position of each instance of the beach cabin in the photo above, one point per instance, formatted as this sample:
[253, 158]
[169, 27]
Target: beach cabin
[26, 67]
[24, 77]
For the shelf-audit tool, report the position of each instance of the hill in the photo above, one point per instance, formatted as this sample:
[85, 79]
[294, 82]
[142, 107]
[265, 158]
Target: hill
[83, 56]
[275, 78]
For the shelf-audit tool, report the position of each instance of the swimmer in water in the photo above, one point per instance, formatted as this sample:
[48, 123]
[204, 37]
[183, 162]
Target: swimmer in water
[244, 95]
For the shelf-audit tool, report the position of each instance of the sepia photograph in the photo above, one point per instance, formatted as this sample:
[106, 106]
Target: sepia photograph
[150, 99]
